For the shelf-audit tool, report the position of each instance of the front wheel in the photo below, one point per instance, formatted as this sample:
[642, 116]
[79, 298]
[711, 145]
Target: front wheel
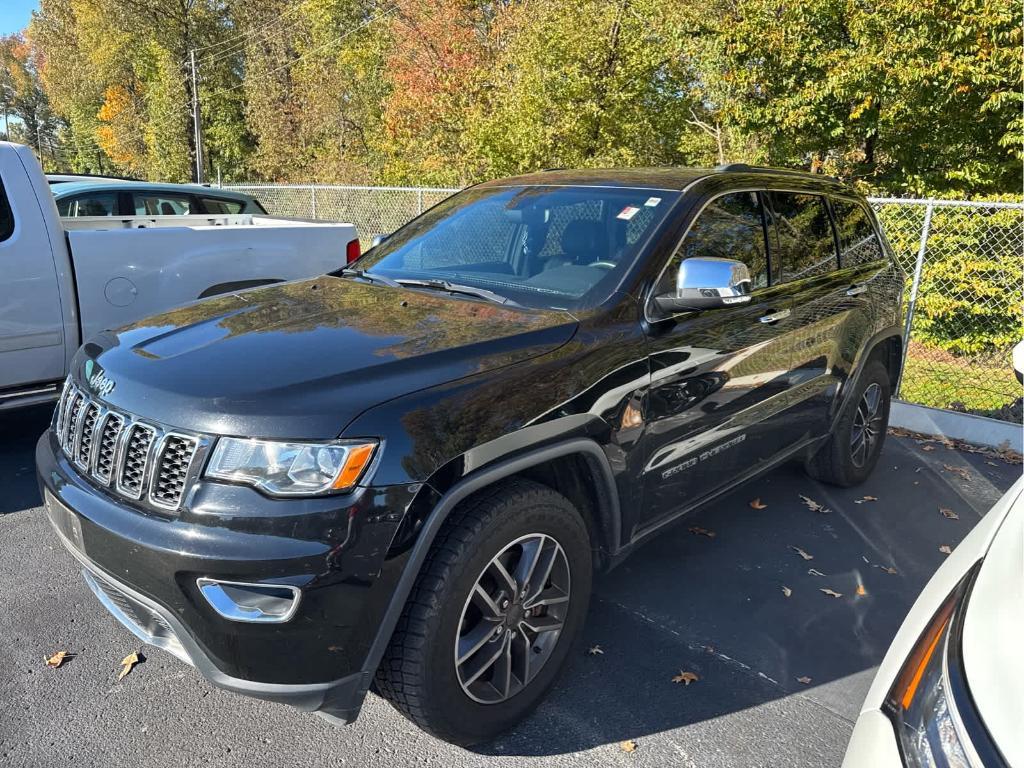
[856, 442]
[493, 614]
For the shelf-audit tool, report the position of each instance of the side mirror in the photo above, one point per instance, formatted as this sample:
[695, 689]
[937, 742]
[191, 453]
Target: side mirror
[378, 239]
[707, 283]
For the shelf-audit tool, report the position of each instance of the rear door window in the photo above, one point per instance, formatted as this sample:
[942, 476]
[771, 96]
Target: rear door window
[729, 227]
[92, 204]
[162, 204]
[222, 205]
[802, 235]
[858, 241]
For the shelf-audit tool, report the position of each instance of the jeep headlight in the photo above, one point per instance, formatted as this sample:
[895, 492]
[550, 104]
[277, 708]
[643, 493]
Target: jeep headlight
[291, 469]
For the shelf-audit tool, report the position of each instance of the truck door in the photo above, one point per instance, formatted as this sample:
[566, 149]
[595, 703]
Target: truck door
[31, 322]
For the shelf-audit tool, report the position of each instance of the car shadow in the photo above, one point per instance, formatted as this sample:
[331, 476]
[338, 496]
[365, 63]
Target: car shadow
[19, 431]
[717, 605]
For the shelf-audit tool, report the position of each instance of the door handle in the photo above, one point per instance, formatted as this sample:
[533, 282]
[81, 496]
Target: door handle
[774, 317]
[856, 290]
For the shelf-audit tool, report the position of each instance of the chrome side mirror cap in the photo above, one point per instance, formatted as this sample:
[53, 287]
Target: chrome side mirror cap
[707, 283]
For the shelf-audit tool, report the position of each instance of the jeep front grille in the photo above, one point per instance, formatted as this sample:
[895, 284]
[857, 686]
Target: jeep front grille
[130, 457]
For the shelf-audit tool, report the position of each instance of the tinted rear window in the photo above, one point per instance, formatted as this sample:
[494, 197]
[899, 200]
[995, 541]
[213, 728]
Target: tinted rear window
[858, 242]
[220, 205]
[803, 233]
[92, 204]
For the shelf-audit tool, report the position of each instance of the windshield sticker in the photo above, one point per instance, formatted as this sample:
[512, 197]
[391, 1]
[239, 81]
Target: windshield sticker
[628, 212]
[652, 201]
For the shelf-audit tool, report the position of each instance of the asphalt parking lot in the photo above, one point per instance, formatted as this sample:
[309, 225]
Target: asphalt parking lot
[714, 606]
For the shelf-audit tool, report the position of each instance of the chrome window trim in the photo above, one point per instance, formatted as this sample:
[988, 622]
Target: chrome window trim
[648, 300]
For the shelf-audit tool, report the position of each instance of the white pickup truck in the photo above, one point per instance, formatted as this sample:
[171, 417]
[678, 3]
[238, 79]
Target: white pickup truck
[62, 280]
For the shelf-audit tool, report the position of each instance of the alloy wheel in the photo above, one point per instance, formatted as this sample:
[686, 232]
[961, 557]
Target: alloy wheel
[867, 425]
[512, 619]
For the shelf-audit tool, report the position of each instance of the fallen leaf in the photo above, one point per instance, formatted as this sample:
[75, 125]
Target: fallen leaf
[58, 658]
[865, 498]
[860, 590]
[628, 745]
[928, 448]
[949, 514]
[961, 471]
[831, 592]
[888, 569]
[127, 663]
[787, 591]
[698, 531]
[709, 648]
[756, 504]
[804, 680]
[814, 572]
[685, 678]
[991, 463]
[595, 650]
[946, 549]
[813, 505]
[800, 552]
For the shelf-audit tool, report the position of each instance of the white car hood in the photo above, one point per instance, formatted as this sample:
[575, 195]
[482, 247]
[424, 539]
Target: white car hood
[993, 636]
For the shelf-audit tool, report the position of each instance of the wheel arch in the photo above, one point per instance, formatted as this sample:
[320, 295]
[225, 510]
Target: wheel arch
[885, 346]
[546, 465]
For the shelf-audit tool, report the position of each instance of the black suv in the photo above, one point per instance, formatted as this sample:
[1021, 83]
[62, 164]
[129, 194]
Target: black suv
[403, 474]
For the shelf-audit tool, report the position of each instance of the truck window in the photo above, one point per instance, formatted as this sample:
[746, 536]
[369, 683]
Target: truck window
[730, 227]
[803, 233]
[858, 241]
[162, 204]
[92, 204]
[220, 205]
[6, 215]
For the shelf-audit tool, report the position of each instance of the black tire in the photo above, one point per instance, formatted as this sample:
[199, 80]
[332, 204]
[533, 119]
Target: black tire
[418, 673]
[840, 461]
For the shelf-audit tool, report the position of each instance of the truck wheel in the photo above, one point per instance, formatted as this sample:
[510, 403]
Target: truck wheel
[493, 614]
[853, 449]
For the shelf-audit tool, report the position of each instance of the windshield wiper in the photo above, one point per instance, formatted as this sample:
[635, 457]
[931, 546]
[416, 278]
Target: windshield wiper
[364, 275]
[468, 290]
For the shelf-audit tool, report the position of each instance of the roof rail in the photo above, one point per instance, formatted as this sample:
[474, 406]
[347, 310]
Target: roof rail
[747, 168]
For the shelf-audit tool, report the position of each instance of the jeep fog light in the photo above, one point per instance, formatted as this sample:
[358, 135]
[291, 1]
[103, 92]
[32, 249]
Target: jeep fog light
[257, 603]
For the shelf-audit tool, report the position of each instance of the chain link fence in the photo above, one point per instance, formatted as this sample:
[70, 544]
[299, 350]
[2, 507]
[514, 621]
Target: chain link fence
[964, 262]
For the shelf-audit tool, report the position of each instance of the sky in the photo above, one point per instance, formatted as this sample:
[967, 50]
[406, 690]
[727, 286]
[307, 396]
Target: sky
[14, 15]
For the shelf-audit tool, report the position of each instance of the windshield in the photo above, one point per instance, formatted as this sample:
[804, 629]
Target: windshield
[542, 246]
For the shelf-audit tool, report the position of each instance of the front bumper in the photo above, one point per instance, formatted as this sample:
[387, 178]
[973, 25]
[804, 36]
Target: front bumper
[143, 568]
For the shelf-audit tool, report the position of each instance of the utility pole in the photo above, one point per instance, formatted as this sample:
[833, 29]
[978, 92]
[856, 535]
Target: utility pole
[197, 120]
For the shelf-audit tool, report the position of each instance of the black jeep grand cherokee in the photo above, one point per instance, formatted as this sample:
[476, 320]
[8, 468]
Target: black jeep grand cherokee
[403, 474]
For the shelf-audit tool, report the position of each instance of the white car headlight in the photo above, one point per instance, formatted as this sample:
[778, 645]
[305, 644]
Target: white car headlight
[923, 705]
[291, 469]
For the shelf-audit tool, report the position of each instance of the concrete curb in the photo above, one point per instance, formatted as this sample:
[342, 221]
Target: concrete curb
[977, 430]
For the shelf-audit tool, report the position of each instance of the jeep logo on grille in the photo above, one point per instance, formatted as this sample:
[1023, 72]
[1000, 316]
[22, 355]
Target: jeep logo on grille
[101, 384]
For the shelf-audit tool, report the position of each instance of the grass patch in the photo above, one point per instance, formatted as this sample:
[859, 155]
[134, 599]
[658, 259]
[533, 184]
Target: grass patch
[936, 380]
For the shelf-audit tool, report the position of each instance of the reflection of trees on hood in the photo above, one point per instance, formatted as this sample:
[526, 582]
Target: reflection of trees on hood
[418, 322]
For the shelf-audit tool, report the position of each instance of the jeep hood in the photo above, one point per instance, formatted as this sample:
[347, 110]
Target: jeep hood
[302, 359]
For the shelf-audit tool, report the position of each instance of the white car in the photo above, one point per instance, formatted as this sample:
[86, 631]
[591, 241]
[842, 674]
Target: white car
[950, 691]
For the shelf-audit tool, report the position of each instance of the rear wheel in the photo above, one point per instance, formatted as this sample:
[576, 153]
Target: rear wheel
[856, 442]
[493, 614]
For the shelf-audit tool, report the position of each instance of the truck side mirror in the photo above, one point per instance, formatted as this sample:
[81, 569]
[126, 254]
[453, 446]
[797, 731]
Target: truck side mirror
[706, 283]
